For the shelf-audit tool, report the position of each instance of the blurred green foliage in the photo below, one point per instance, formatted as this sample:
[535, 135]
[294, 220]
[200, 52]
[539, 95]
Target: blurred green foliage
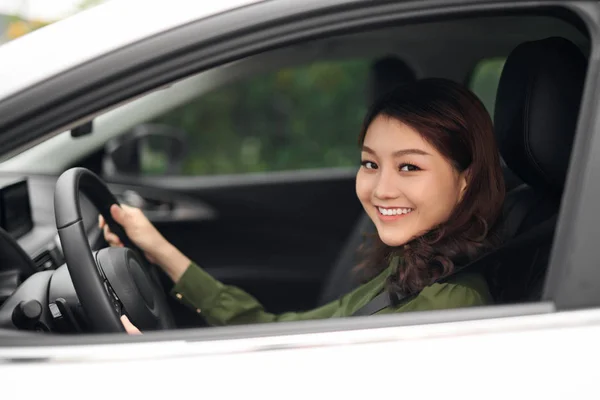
[302, 117]
[484, 81]
[296, 118]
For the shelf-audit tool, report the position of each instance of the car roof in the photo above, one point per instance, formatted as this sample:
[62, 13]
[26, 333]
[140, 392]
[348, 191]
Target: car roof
[70, 42]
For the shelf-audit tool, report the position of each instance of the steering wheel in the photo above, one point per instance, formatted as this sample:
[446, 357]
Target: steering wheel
[112, 281]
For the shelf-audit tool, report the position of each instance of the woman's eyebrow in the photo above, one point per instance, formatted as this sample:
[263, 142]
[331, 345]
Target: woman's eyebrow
[399, 152]
[368, 150]
[410, 151]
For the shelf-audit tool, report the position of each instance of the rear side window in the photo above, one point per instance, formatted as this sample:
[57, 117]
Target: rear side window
[484, 81]
[303, 117]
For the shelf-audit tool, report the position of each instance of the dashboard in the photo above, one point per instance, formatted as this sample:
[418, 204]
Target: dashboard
[15, 208]
[40, 241]
[32, 264]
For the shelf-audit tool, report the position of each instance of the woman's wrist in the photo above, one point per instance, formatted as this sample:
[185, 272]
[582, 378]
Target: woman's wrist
[172, 261]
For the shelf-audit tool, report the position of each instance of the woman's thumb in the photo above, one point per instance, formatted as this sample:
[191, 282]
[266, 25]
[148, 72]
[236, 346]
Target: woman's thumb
[129, 327]
[118, 214]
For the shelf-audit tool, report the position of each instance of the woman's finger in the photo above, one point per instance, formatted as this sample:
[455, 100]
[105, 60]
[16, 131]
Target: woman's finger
[114, 241]
[101, 221]
[129, 327]
[106, 231]
[111, 238]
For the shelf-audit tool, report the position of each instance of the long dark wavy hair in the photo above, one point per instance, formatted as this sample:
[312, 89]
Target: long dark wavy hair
[456, 123]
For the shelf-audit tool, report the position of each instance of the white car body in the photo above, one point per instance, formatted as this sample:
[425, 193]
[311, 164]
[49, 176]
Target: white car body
[522, 353]
[99, 30]
[541, 354]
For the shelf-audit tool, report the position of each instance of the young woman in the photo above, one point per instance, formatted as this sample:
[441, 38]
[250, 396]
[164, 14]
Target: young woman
[430, 180]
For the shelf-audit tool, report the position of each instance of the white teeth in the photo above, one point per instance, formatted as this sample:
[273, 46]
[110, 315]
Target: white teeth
[394, 211]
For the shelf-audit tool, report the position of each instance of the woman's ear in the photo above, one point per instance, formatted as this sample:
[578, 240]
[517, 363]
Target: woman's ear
[464, 182]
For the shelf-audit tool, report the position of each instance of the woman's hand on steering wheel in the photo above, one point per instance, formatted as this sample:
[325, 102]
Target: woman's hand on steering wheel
[149, 240]
[138, 228]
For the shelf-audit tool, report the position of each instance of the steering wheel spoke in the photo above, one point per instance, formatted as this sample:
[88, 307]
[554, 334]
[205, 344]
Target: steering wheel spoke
[110, 292]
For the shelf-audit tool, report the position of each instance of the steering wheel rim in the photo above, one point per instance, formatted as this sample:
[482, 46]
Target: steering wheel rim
[87, 274]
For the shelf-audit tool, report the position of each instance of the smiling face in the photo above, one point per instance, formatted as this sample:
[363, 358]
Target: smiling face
[404, 184]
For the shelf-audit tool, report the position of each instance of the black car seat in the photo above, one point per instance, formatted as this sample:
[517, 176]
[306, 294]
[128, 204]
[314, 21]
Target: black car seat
[537, 108]
[536, 113]
[385, 74]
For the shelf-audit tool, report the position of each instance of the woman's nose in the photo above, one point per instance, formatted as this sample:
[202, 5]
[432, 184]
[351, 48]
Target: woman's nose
[387, 186]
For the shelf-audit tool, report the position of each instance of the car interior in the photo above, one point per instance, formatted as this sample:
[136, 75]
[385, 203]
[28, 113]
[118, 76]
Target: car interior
[273, 232]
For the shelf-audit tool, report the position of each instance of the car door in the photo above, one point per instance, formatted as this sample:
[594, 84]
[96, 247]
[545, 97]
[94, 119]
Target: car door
[467, 337]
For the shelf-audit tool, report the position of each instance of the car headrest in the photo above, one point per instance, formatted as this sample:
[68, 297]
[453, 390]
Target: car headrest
[386, 73]
[537, 107]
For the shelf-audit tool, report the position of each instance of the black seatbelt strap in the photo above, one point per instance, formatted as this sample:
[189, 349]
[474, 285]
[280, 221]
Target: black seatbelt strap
[534, 237]
[378, 303]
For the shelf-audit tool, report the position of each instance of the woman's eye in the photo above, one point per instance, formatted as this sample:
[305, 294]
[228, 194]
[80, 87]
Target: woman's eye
[409, 168]
[369, 164]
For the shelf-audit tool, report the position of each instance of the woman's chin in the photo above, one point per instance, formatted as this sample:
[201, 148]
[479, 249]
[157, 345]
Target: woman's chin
[393, 240]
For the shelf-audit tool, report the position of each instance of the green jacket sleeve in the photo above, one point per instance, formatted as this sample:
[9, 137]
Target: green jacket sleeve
[222, 304]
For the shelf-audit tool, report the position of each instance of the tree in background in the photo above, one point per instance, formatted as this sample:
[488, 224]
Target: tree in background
[303, 117]
[15, 26]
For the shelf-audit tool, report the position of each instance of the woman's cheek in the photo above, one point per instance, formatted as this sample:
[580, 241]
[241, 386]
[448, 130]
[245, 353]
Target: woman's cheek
[364, 185]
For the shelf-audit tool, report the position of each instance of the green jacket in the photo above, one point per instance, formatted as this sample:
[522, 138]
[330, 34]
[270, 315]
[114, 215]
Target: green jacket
[222, 304]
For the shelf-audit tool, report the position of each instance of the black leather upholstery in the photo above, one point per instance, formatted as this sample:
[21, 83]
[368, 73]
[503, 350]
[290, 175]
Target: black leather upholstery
[340, 280]
[537, 106]
[386, 73]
